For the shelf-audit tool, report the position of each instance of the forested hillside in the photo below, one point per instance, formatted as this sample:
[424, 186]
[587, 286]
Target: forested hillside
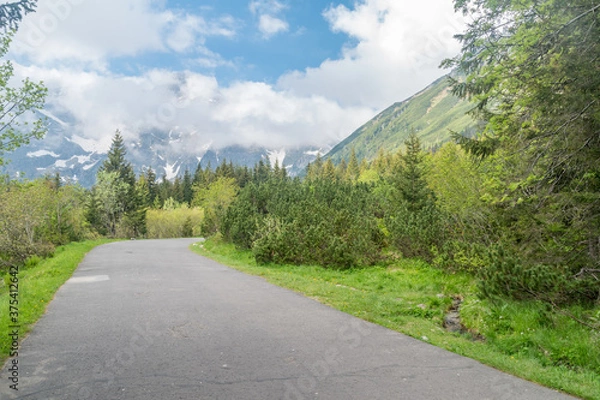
[433, 114]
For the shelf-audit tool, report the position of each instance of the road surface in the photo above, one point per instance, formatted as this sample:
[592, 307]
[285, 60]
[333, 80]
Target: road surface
[151, 320]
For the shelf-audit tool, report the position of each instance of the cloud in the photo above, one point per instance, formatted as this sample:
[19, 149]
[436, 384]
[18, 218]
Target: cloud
[245, 113]
[270, 26]
[398, 46]
[188, 32]
[269, 21]
[395, 49]
[90, 33]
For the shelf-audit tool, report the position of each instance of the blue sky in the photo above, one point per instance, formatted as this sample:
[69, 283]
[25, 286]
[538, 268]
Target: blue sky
[274, 73]
[305, 41]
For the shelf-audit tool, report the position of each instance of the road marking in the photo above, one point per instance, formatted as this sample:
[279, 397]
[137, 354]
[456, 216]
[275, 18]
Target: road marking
[89, 279]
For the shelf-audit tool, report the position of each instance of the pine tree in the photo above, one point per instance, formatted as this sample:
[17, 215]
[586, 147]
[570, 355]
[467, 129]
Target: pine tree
[150, 177]
[314, 170]
[13, 12]
[188, 191]
[116, 161]
[329, 170]
[353, 170]
[410, 179]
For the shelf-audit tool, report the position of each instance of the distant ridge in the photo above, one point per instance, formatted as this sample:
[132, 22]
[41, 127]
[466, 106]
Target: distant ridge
[432, 113]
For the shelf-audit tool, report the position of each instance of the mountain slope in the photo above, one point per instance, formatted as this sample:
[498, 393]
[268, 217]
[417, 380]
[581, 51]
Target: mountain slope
[77, 161]
[431, 113]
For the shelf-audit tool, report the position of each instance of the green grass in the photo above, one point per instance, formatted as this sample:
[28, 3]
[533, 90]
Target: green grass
[522, 338]
[38, 282]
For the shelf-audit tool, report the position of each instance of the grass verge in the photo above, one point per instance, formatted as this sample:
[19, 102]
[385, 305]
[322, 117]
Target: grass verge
[522, 338]
[38, 281]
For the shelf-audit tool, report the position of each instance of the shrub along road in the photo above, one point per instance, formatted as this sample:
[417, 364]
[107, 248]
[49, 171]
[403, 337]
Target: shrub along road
[152, 320]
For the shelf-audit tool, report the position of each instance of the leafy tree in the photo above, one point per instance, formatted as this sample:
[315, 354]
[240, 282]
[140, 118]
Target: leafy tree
[215, 199]
[117, 197]
[35, 216]
[106, 203]
[16, 103]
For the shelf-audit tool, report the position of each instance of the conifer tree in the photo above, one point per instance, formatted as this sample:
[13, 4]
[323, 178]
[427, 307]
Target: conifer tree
[353, 167]
[188, 191]
[329, 170]
[13, 12]
[410, 180]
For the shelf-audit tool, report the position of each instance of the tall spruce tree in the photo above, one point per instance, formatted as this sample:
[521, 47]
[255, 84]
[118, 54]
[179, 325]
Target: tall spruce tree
[532, 69]
[410, 178]
[121, 189]
[116, 161]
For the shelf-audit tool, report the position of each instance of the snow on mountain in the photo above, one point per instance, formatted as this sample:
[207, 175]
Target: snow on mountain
[42, 153]
[276, 156]
[169, 154]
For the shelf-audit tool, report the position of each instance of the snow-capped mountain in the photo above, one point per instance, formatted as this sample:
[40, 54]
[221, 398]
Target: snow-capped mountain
[167, 153]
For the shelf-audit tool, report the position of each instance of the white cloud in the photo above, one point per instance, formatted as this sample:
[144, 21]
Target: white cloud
[396, 50]
[270, 26]
[246, 113]
[268, 12]
[91, 32]
[399, 46]
[266, 7]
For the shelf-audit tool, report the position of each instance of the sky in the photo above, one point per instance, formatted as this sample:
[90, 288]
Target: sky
[268, 73]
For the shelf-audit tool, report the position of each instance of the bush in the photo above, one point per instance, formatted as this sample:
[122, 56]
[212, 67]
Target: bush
[416, 232]
[329, 223]
[507, 276]
[174, 223]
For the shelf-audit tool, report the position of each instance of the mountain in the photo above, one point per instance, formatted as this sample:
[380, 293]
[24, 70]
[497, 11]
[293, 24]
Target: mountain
[78, 159]
[432, 114]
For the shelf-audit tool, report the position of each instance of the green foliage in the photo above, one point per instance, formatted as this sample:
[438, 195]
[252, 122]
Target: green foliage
[117, 203]
[532, 70]
[107, 202]
[13, 12]
[326, 222]
[181, 221]
[17, 103]
[214, 200]
[508, 276]
[321, 220]
[412, 216]
[36, 216]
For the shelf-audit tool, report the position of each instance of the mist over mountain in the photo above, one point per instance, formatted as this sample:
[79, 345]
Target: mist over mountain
[433, 113]
[78, 160]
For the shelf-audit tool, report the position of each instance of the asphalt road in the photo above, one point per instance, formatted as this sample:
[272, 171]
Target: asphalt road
[151, 320]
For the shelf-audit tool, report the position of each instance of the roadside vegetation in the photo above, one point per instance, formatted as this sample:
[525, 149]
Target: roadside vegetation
[524, 338]
[39, 279]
